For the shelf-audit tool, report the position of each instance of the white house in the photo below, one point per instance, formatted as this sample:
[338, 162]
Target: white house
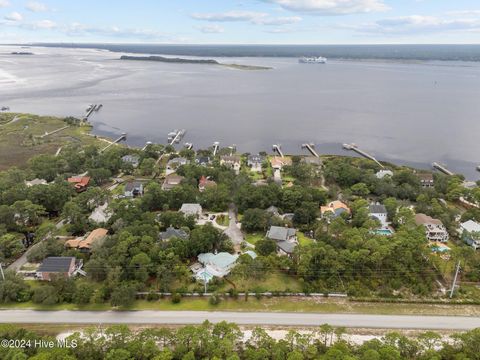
[191, 209]
[379, 212]
[470, 233]
[434, 228]
[234, 162]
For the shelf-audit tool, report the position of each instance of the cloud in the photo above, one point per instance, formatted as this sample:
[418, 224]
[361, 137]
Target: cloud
[77, 29]
[4, 3]
[211, 29]
[256, 18]
[36, 6]
[14, 16]
[331, 7]
[229, 16]
[419, 24]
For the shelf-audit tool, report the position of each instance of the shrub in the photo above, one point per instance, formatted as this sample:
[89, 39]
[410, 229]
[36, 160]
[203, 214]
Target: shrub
[176, 298]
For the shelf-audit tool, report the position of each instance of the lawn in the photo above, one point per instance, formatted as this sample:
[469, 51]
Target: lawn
[252, 238]
[277, 304]
[303, 240]
[272, 282]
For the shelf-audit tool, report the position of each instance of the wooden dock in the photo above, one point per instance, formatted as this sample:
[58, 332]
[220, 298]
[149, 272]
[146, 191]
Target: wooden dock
[121, 138]
[310, 147]
[442, 169]
[278, 149]
[354, 147]
[216, 146]
[176, 136]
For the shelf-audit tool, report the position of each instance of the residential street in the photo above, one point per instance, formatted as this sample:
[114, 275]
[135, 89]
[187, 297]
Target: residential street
[241, 318]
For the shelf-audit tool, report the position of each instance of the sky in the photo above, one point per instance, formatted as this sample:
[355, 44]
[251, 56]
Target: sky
[242, 21]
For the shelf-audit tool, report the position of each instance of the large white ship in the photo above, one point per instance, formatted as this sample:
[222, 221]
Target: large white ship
[313, 60]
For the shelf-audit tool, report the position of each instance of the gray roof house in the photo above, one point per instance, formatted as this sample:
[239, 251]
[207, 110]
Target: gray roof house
[133, 189]
[280, 233]
[175, 163]
[379, 212]
[131, 159]
[202, 160]
[191, 209]
[255, 162]
[171, 232]
[56, 266]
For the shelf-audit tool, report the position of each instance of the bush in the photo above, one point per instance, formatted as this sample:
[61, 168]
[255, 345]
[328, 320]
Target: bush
[176, 298]
[215, 299]
[152, 296]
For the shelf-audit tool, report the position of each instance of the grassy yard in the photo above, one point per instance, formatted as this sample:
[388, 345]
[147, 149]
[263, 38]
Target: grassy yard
[303, 240]
[272, 282]
[279, 304]
[21, 139]
[254, 237]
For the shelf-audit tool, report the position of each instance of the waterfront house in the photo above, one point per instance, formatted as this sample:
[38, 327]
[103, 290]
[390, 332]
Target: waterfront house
[255, 162]
[36, 182]
[278, 162]
[426, 180]
[171, 181]
[470, 233]
[334, 209]
[379, 212]
[205, 183]
[80, 183]
[203, 161]
[171, 232]
[434, 228]
[133, 160]
[133, 189]
[191, 210]
[55, 266]
[174, 164]
[95, 238]
[231, 161]
[384, 174]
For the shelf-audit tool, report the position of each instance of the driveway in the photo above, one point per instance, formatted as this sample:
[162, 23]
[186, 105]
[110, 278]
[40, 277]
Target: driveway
[233, 231]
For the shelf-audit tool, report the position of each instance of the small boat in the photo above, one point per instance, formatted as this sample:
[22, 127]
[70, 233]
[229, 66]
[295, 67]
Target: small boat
[313, 60]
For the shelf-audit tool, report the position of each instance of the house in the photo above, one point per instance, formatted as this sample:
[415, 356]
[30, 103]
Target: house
[86, 244]
[205, 183]
[36, 182]
[54, 266]
[273, 210]
[133, 189]
[203, 160]
[335, 208]
[100, 214]
[172, 181]
[312, 160]
[191, 210]
[255, 162]
[231, 161]
[384, 173]
[133, 160]
[285, 238]
[80, 182]
[434, 229]
[176, 163]
[379, 212]
[218, 265]
[278, 162]
[426, 180]
[470, 233]
[171, 232]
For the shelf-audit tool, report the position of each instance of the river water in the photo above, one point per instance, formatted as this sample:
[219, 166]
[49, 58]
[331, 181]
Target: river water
[408, 112]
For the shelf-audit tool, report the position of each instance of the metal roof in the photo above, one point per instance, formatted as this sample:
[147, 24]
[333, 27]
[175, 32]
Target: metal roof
[56, 264]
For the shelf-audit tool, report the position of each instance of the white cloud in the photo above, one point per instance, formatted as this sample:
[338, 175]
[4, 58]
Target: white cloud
[77, 29]
[4, 3]
[44, 24]
[419, 24]
[36, 6]
[211, 29]
[14, 16]
[229, 16]
[331, 7]
[256, 18]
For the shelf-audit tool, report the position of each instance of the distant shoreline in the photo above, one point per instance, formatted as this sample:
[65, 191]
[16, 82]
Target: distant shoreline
[192, 61]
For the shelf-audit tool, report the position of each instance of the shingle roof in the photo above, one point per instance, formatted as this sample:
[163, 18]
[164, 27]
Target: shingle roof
[56, 264]
[286, 246]
[377, 209]
[171, 232]
[132, 185]
[280, 233]
[220, 260]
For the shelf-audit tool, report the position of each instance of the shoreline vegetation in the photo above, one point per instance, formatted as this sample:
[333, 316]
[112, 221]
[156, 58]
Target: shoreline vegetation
[193, 61]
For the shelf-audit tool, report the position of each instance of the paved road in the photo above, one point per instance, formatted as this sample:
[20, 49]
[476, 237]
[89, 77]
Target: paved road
[241, 318]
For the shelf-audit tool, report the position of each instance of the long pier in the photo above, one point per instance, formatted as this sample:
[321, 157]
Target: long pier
[188, 146]
[175, 136]
[54, 131]
[310, 147]
[366, 155]
[216, 146]
[278, 148]
[91, 108]
[122, 137]
[442, 168]
[148, 143]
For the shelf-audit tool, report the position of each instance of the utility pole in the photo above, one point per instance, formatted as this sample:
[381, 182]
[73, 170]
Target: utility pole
[455, 279]
[1, 272]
